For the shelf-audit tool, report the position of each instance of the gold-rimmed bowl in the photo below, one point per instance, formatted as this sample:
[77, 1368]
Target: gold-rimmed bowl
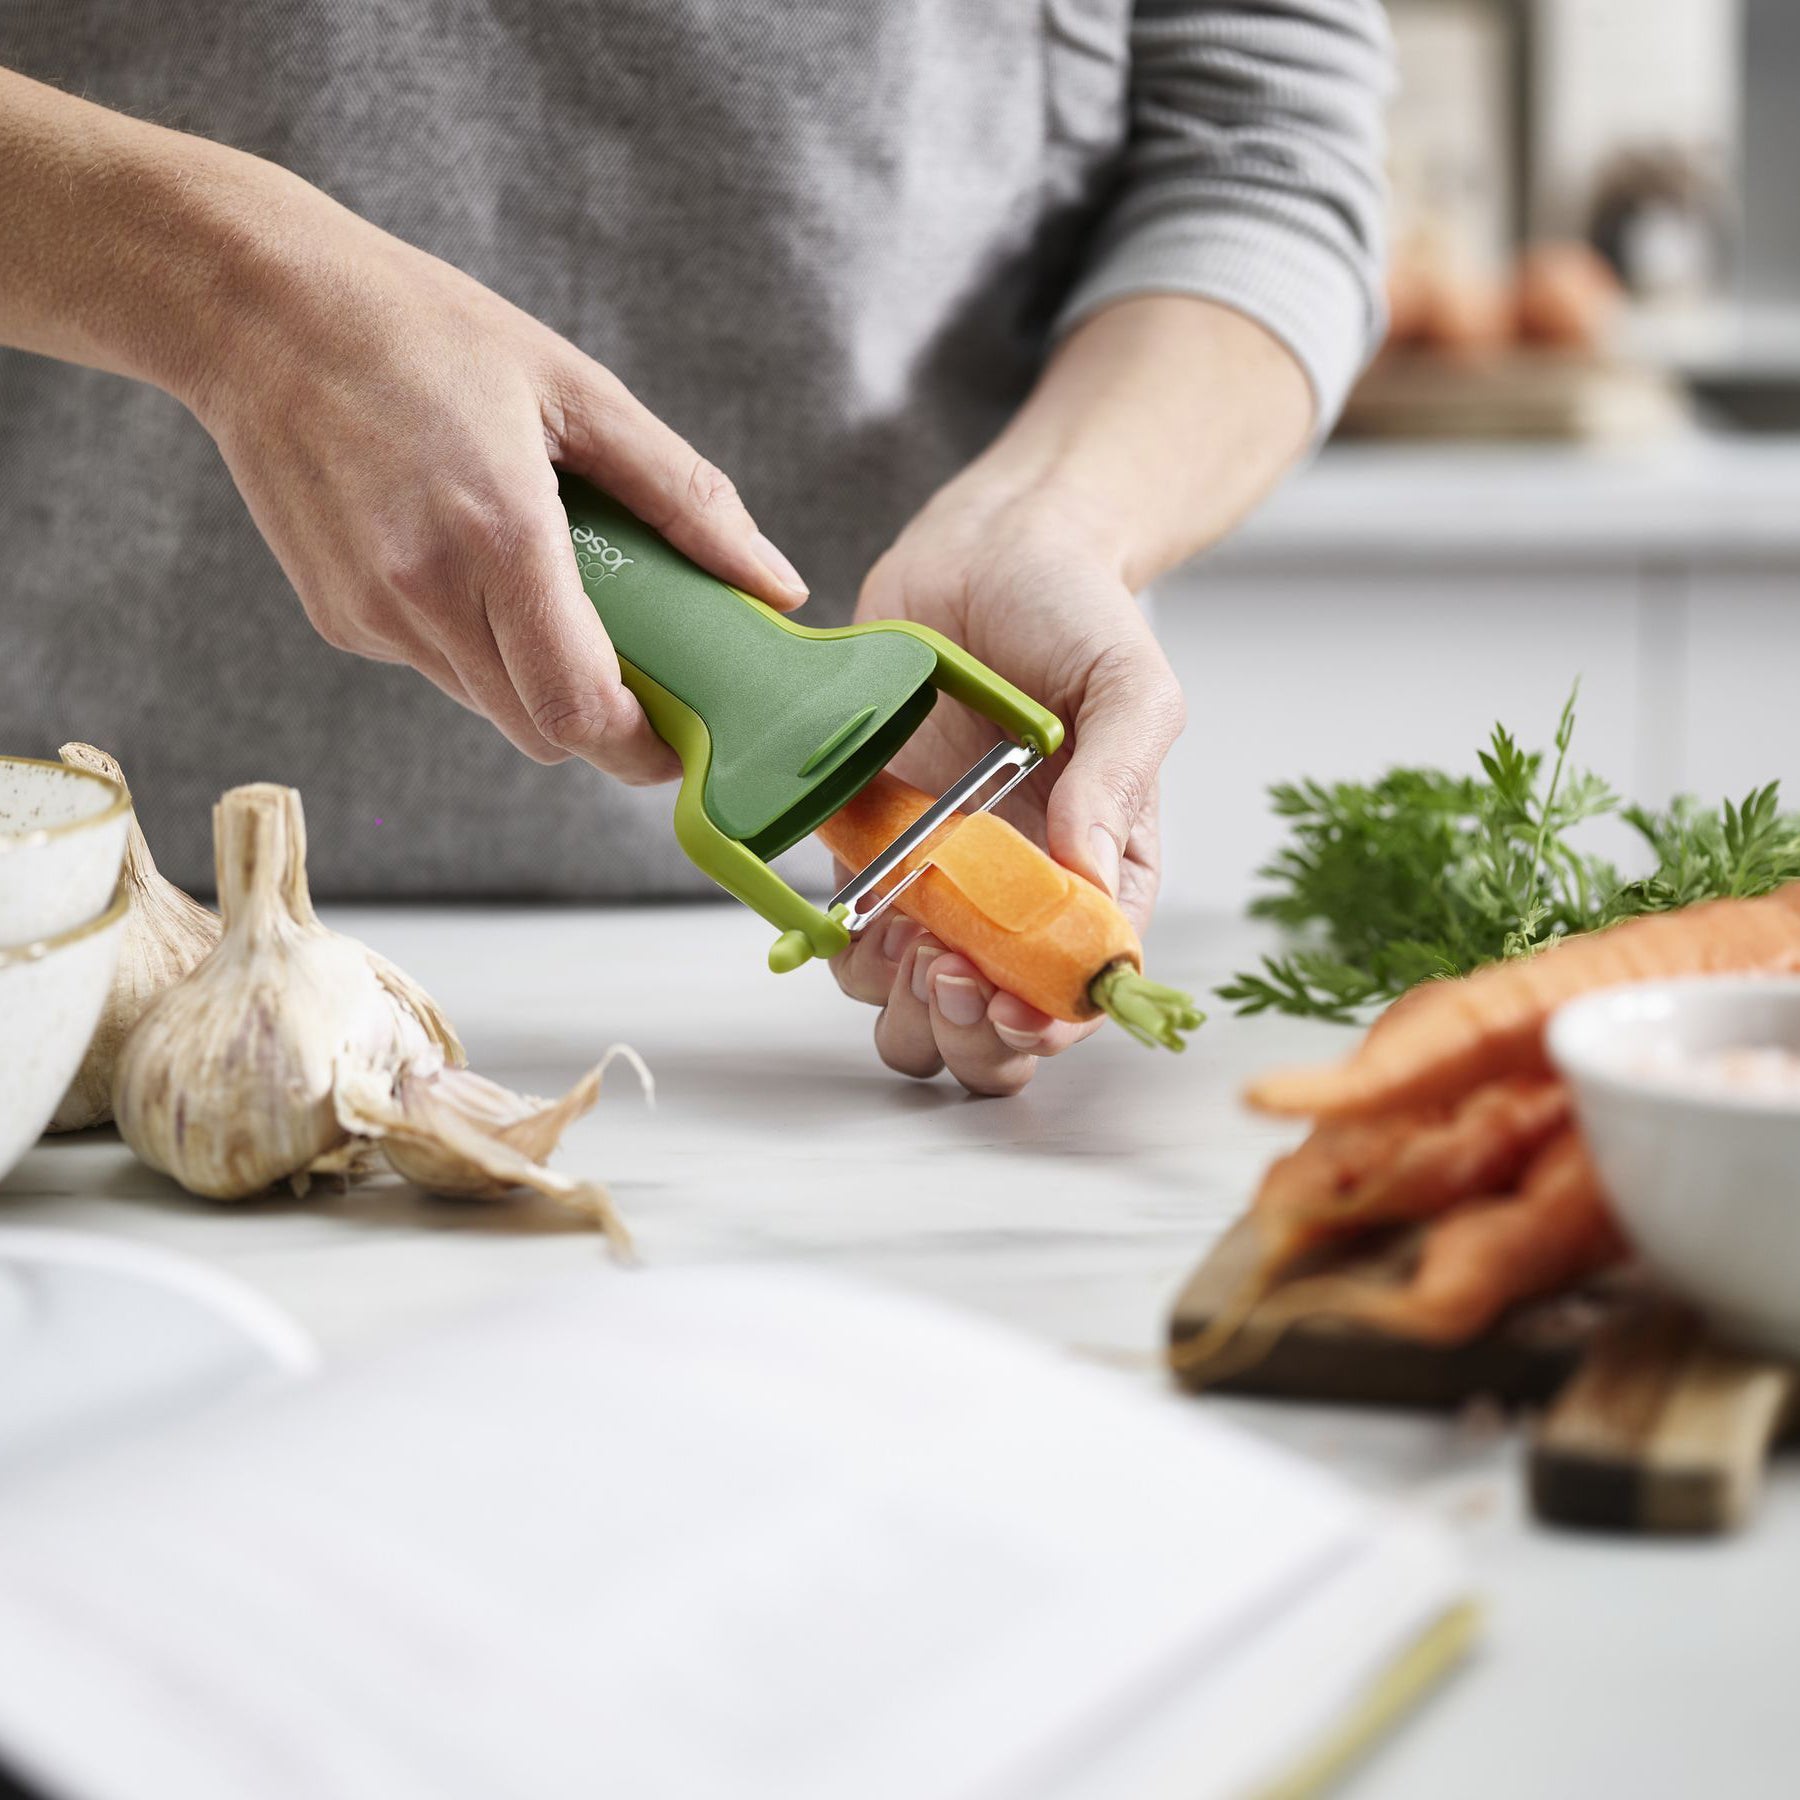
[62, 843]
[51, 993]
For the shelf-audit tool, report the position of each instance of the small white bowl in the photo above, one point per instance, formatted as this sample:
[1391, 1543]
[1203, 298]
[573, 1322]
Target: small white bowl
[51, 994]
[1704, 1178]
[62, 843]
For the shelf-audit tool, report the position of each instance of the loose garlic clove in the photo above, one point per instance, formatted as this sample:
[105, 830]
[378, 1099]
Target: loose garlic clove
[453, 1132]
[226, 1081]
[166, 934]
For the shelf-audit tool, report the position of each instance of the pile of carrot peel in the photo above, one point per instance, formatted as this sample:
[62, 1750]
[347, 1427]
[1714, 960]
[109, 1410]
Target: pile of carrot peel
[1449, 1118]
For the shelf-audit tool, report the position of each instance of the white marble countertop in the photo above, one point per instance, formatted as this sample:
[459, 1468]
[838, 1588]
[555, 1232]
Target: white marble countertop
[1074, 1212]
[1701, 497]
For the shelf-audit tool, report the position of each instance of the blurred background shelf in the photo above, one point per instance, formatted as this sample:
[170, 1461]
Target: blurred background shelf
[1597, 285]
[1716, 496]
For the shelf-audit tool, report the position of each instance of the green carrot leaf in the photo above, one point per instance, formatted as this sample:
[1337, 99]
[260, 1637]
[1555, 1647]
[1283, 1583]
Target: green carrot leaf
[1423, 874]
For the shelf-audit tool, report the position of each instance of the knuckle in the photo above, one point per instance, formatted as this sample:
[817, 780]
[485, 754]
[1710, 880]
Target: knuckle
[359, 630]
[583, 401]
[852, 970]
[568, 719]
[1166, 708]
[1139, 887]
[639, 775]
[877, 979]
[564, 407]
[339, 634]
[1126, 787]
[903, 1051]
[857, 988]
[485, 528]
[419, 570]
[906, 1061]
[468, 532]
[710, 490]
[996, 1081]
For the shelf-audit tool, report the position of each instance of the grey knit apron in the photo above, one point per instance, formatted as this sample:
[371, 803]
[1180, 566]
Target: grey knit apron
[821, 240]
[825, 239]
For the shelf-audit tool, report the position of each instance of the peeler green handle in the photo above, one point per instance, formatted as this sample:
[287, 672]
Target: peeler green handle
[777, 724]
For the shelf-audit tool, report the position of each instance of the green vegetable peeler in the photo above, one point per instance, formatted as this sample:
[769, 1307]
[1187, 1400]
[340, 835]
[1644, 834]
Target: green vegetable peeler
[777, 725]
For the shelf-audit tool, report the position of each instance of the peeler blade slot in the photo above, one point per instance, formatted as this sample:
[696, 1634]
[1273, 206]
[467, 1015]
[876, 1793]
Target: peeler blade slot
[863, 898]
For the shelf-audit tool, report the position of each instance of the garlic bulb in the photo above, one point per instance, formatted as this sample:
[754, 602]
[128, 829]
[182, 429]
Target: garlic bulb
[451, 1131]
[166, 933]
[226, 1081]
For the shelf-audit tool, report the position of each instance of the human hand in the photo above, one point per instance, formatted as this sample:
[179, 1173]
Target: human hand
[395, 429]
[1026, 584]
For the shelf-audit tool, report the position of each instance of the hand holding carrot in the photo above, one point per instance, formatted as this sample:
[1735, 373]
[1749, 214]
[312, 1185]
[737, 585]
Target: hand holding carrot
[1159, 421]
[1012, 581]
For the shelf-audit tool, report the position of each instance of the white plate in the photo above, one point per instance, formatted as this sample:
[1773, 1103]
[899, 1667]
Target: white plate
[100, 1338]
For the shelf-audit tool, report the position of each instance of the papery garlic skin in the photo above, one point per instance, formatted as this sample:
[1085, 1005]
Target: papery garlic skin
[451, 1131]
[166, 934]
[226, 1081]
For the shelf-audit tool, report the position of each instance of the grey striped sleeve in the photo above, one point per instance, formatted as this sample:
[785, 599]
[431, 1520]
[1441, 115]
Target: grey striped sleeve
[1253, 175]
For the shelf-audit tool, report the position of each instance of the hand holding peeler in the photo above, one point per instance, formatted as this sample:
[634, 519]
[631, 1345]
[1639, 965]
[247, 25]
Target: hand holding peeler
[779, 724]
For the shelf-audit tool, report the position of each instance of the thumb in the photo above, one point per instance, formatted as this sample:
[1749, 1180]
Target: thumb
[1130, 713]
[608, 435]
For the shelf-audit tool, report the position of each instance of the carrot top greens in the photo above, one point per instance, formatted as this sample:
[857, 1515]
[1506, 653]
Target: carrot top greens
[1423, 874]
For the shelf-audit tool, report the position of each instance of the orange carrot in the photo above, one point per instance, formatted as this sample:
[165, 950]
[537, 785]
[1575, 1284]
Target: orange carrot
[1447, 1037]
[1029, 925]
[1404, 1166]
[1477, 1261]
[1335, 1159]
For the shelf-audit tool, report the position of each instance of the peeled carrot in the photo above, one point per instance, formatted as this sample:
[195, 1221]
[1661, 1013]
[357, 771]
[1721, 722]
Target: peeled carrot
[1447, 1037]
[1336, 1159]
[1477, 1261]
[1029, 925]
[1352, 1175]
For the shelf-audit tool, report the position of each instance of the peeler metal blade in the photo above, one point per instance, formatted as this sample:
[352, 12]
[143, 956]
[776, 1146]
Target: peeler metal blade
[1019, 759]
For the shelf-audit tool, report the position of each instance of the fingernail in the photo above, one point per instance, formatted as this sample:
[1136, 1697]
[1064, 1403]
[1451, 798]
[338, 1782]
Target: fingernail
[895, 937]
[786, 575]
[921, 968]
[1106, 858]
[960, 1000]
[1017, 1040]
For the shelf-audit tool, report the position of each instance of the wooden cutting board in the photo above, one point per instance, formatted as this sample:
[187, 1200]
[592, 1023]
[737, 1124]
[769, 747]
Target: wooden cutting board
[1650, 1426]
[1515, 394]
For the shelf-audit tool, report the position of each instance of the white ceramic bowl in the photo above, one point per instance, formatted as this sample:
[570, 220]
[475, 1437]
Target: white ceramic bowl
[50, 999]
[1704, 1178]
[62, 842]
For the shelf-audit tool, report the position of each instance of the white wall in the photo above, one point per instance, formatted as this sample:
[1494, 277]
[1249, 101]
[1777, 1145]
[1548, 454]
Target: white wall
[1689, 675]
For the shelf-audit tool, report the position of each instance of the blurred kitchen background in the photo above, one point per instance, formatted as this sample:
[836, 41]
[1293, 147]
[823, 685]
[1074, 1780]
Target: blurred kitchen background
[1579, 454]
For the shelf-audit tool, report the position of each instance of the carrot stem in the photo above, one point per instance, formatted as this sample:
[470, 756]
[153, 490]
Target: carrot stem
[1152, 1013]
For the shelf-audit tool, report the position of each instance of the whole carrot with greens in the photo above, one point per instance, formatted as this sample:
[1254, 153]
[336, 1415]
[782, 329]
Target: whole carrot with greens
[1444, 1039]
[1029, 925]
